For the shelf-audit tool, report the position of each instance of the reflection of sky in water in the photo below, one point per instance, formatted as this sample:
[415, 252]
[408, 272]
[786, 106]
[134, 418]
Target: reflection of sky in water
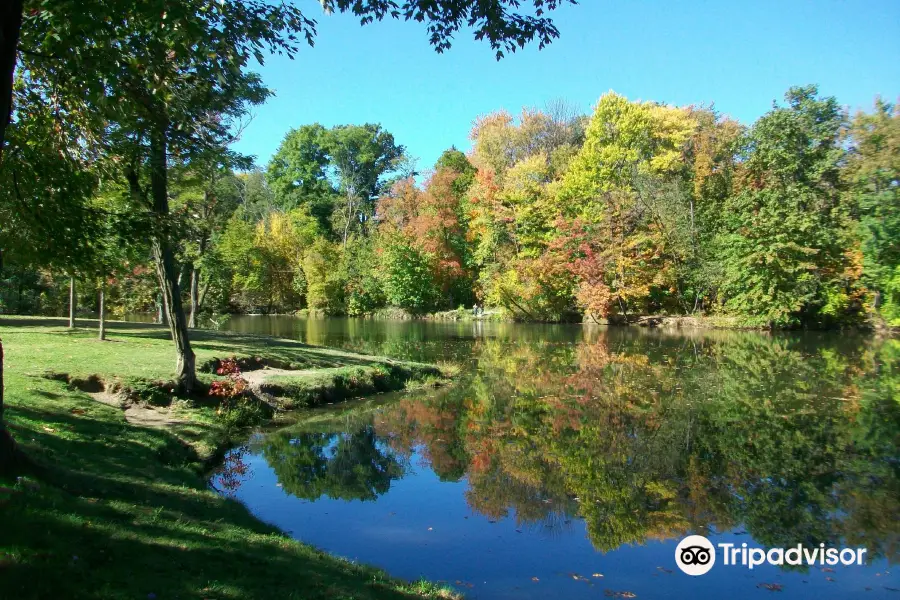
[420, 526]
[423, 527]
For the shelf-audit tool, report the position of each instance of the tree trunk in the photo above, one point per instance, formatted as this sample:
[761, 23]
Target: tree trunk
[102, 312]
[161, 307]
[195, 296]
[9, 453]
[10, 26]
[167, 272]
[72, 300]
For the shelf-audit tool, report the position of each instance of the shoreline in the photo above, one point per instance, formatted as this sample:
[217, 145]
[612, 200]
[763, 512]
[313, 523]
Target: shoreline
[126, 461]
[661, 321]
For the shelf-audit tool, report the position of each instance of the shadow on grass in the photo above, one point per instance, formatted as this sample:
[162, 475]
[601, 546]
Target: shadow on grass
[117, 511]
[207, 343]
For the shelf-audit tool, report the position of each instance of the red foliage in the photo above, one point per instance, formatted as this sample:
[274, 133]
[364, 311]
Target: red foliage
[228, 366]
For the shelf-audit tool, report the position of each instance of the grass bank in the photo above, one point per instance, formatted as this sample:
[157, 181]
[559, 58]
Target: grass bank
[114, 509]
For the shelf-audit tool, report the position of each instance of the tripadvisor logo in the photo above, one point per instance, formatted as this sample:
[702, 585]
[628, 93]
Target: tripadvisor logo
[696, 555]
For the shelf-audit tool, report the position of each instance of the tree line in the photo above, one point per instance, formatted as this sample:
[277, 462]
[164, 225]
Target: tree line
[639, 208]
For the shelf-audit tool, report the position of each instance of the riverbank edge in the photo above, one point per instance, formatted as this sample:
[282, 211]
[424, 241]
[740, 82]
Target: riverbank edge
[193, 444]
[500, 315]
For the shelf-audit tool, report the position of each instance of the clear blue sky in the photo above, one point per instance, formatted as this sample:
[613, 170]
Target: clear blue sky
[739, 54]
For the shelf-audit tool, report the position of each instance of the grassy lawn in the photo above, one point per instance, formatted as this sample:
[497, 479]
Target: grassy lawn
[114, 510]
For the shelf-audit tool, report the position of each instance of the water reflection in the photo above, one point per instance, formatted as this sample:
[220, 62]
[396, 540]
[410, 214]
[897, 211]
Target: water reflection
[642, 436]
[350, 465]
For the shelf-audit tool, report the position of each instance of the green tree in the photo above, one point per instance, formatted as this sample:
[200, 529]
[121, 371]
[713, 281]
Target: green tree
[47, 179]
[873, 180]
[361, 158]
[784, 248]
[205, 196]
[298, 172]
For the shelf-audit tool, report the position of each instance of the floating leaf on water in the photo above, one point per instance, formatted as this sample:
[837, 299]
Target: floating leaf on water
[772, 587]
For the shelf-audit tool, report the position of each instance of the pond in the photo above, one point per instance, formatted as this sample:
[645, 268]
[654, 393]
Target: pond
[568, 462]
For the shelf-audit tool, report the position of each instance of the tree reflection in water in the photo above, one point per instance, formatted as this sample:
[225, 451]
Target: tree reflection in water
[643, 436]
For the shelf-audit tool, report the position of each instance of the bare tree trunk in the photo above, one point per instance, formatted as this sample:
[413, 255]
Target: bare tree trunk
[10, 26]
[167, 272]
[350, 214]
[195, 296]
[72, 299]
[102, 312]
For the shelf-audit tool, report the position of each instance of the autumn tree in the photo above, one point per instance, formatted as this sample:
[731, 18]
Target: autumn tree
[609, 189]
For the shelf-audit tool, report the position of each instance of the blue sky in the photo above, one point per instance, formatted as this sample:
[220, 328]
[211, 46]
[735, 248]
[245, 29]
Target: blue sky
[738, 55]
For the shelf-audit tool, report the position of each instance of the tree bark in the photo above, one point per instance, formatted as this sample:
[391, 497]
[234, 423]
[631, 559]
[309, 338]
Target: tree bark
[72, 300]
[10, 26]
[195, 296]
[8, 449]
[167, 272]
[102, 312]
[9, 453]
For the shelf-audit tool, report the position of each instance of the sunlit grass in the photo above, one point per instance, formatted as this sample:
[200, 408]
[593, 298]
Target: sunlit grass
[112, 510]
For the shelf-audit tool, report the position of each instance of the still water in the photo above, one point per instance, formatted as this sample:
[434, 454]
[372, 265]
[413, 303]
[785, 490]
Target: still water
[568, 462]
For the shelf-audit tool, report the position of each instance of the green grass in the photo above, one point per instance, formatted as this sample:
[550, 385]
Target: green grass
[334, 385]
[113, 510]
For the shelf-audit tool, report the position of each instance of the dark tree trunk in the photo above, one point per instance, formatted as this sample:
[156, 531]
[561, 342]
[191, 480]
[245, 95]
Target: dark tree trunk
[195, 296]
[102, 312]
[72, 299]
[10, 457]
[10, 26]
[166, 270]
[7, 445]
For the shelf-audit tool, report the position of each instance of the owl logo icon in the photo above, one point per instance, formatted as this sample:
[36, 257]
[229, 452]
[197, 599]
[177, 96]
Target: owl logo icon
[695, 555]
